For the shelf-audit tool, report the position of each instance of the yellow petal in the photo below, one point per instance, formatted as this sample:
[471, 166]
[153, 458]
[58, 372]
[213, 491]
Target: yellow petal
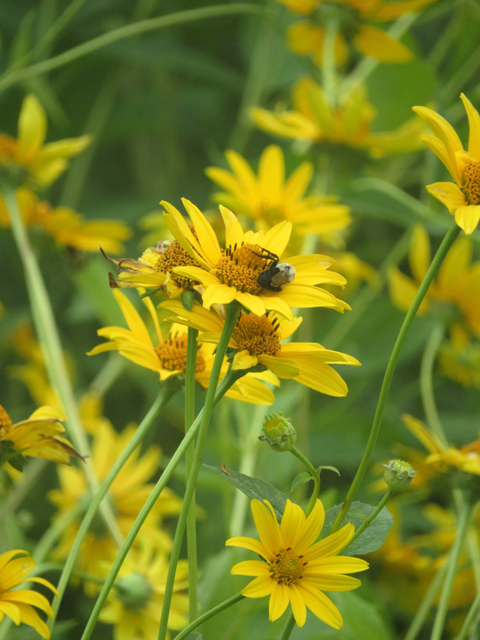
[467, 218]
[259, 588]
[454, 269]
[403, 290]
[132, 317]
[474, 122]
[298, 604]
[218, 294]
[204, 230]
[332, 582]
[320, 376]
[424, 435]
[337, 565]
[271, 173]
[233, 229]
[419, 255]
[31, 598]
[321, 606]
[448, 194]
[394, 10]
[282, 367]
[267, 526]
[250, 568]
[293, 519]
[379, 45]
[32, 126]
[277, 239]
[11, 610]
[29, 616]
[243, 360]
[310, 529]
[48, 412]
[255, 304]
[278, 601]
[331, 545]
[249, 543]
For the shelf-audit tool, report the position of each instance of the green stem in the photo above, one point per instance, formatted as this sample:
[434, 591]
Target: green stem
[449, 239]
[452, 565]
[315, 477]
[155, 410]
[329, 63]
[209, 614]
[233, 310]
[424, 608]
[426, 382]
[372, 516]
[223, 387]
[189, 461]
[49, 338]
[128, 31]
[58, 566]
[288, 628]
[472, 614]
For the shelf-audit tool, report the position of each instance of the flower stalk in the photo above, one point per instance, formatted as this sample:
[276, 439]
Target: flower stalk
[315, 477]
[426, 382]
[209, 614]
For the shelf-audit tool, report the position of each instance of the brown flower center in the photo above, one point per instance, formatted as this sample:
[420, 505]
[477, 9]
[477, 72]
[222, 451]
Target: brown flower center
[5, 422]
[173, 355]
[240, 267]
[471, 183]
[174, 255]
[259, 335]
[471, 449]
[286, 567]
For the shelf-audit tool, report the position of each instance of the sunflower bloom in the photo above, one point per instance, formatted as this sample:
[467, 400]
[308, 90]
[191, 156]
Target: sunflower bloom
[258, 341]
[43, 163]
[307, 37]
[461, 198]
[313, 119]
[169, 358]
[18, 604]
[295, 569]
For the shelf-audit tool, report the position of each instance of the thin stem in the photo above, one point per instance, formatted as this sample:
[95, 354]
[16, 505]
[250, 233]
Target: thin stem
[315, 477]
[473, 612]
[372, 516]
[233, 310]
[452, 565]
[449, 239]
[189, 460]
[128, 31]
[58, 566]
[424, 608]
[209, 614]
[426, 382]
[223, 387]
[288, 628]
[329, 67]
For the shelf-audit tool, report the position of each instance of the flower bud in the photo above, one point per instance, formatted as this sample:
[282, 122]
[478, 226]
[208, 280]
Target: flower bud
[278, 432]
[398, 475]
[134, 591]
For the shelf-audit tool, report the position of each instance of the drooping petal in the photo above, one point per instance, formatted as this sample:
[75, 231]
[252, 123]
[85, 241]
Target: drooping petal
[474, 123]
[448, 194]
[321, 606]
[467, 218]
[282, 367]
[379, 45]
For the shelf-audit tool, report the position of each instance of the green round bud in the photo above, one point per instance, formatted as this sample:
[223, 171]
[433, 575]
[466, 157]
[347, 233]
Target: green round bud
[278, 432]
[398, 475]
[134, 591]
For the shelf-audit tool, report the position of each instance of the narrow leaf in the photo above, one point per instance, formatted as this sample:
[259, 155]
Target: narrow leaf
[302, 478]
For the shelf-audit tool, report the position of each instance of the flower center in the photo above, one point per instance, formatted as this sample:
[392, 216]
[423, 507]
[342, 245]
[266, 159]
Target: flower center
[173, 355]
[240, 267]
[5, 423]
[472, 450]
[172, 254]
[471, 183]
[258, 335]
[286, 567]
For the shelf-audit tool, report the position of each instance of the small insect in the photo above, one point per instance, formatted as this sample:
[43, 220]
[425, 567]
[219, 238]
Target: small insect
[278, 273]
[225, 470]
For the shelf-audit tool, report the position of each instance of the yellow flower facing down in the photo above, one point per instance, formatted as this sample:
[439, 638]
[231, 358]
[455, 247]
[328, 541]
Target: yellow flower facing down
[18, 604]
[295, 569]
[269, 198]
[67, 227]
[39, 436]
[169, 358]
[353, 16]
[314, 120]
[242, 270]
[461, 198]
[44, 163]
[258, 341]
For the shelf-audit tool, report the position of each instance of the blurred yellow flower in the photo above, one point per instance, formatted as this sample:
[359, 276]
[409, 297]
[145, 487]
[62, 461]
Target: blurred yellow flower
[463, 198]
[43, 162]
[269, 198]
[135, 603]
[18, 604]
[459, 358]
[294, 569]
[257, 341]
[66, 226]
[169, 358]
[307, 37]
[314, 120]
[355, 271]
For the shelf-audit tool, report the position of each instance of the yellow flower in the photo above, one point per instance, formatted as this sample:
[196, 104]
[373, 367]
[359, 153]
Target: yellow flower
[18, 604]
[43, 162]
[459, 358]
[66, 226]
[355, 271]
[314, 120]
[307, 37]
[463, 198]
[239, 272]
[294, 568]
[457, 282]
[269, 199]
[257, 341]
[38, 436]
[135, 603]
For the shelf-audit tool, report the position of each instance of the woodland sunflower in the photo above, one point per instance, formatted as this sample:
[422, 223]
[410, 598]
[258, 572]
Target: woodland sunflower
[294, 567]
[169, 358]
[43, 163]
[246, 270]
[461, 198]
[18, 604]
[257, 340]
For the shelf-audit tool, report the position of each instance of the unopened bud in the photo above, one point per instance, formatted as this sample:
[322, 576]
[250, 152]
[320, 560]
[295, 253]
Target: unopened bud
[398, 475]
[278, 432]
[134, 591]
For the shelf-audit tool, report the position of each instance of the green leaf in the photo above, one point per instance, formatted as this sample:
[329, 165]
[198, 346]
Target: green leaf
[22, 42]
[254, 488]
[372, 538]
[329, 468]
[302, 478]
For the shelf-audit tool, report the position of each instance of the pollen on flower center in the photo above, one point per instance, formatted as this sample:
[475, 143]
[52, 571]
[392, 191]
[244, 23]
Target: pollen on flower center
[5, 422]
[240, 267]
[173, 355]
[471, 183]
[172, 255]
[286, 567]
[259, 335]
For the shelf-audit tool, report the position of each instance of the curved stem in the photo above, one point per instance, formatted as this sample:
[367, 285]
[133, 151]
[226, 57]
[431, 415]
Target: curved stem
[329, 62]
[288, 628]
[233, 310]
[315, 477]
[449, 239]
[209, 614]
[372, 516]
[424, 608]
[426, 382]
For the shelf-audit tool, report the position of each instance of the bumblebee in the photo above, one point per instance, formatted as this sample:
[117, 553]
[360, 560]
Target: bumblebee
[278, 273]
